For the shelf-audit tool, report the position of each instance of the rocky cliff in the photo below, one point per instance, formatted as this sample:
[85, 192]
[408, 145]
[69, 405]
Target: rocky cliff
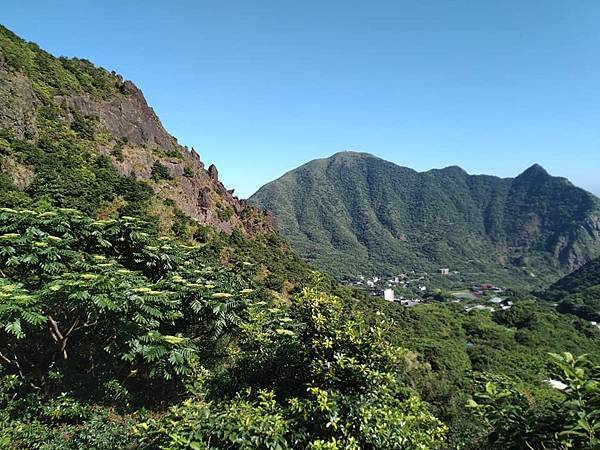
[35, 85]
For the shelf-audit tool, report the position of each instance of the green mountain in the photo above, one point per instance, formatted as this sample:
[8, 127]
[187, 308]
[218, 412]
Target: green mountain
[354, 213]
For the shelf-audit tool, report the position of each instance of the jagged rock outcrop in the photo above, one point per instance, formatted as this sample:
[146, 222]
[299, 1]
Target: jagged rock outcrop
[213, 173]
[126, 116]
[18, 103]
[195, 190]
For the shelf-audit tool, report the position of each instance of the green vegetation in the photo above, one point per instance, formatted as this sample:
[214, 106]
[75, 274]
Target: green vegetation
[172, 153]
[67, 174]
[52, 76]
[516, 419]
[103, 316]
[160, 172]
[586, 277]
[354, 214]
[578, 292]
[224, 213]
[115, 336]
[454, 350]
[188, 171]
[117, 152]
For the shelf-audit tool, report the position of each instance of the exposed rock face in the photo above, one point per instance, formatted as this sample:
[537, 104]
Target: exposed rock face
[195, 190]
[20, 174]
[592, 226]
[18, 103]
[203, 199]
[126, 116]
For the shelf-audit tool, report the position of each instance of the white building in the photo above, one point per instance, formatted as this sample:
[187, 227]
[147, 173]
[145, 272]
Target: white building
[389, 295]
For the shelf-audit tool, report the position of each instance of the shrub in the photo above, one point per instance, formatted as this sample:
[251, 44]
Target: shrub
[159, 172]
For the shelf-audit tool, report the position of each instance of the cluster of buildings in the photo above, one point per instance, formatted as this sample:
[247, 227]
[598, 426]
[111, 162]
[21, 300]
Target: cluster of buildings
[498, 304]
[484, 289]
[386, 286]
[390, 296]
[411, 279]
[413, 285]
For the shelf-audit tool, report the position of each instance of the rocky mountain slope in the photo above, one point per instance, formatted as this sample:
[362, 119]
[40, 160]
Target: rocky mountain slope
[71, 108]
[354, 214]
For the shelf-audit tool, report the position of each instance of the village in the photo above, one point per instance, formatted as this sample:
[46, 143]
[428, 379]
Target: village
[412, 288]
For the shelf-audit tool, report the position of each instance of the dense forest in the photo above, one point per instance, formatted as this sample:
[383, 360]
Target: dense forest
[131, 320]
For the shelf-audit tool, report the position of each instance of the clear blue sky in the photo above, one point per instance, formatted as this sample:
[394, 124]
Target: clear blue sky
[261, 86]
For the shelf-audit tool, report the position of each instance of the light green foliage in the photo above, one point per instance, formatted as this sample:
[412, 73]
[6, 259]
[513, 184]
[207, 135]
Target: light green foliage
[512, 417]
[104, 311]
[96, 292]
[241, 423]
[581, 409]
[188, 171]
[356, 382]
[517, 418]
[349, 394]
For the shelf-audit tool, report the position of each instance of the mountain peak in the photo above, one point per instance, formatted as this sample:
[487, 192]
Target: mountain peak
[534, 171]
[351, 154]
[456, 170]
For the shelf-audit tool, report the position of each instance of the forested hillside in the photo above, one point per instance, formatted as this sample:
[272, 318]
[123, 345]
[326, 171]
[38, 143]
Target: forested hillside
[579, 292]
[143, 306]
[584, 278]
[355, 214]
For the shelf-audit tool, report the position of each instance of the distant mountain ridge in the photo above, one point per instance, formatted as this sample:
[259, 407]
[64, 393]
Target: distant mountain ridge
[355, 213]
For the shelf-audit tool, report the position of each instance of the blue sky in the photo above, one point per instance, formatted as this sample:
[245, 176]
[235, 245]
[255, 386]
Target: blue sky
[259, 87]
